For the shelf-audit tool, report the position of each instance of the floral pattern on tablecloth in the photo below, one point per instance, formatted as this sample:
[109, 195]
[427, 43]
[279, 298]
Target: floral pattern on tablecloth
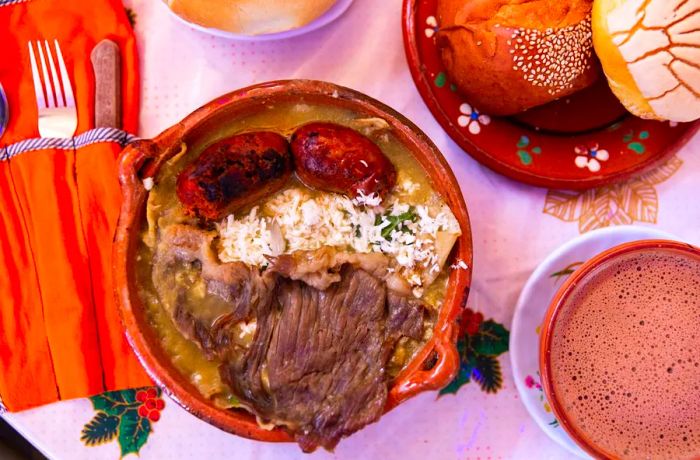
[124, 415]
[624, 203]
[480, 344]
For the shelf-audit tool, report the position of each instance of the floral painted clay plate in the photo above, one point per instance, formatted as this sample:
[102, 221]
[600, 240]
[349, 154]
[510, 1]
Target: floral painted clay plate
[581, 141]
[532, 306]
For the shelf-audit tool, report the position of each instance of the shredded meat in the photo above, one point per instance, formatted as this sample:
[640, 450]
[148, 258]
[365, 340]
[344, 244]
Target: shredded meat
[234, 288]
[320, 268]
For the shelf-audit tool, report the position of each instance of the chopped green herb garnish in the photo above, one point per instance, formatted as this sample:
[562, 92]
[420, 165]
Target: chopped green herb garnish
[396, 223]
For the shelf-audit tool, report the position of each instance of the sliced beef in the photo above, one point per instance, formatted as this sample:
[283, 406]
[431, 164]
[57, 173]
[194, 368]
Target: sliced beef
[324, 354]
[405, 316]
[326, 326]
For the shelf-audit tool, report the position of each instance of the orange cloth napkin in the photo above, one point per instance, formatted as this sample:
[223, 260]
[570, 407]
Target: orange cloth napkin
[60, 333]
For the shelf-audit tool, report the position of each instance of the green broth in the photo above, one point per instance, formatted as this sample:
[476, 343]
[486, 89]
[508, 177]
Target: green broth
[165, 209]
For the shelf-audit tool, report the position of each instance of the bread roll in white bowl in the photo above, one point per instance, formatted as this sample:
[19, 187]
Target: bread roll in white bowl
[250, 17]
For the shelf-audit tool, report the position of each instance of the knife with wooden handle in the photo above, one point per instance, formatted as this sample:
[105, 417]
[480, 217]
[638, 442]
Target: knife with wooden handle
[107, 67]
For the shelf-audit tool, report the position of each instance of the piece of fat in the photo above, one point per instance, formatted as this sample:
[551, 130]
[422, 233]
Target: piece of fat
[175, 158]
[444, 241]
[397, 283]
[150, 237]
[369, 126]
[277, 242]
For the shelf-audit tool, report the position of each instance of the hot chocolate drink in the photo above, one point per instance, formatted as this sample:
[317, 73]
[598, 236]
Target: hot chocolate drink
[625, 355]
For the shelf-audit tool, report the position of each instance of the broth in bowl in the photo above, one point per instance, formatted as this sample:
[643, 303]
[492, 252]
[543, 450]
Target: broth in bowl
[293, 263]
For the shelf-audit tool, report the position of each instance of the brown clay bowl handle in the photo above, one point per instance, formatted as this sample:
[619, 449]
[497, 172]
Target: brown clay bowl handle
[132, 160]
[437, 363]
[444, 363]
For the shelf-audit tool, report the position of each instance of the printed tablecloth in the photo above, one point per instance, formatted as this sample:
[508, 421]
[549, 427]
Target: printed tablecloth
[514, 227]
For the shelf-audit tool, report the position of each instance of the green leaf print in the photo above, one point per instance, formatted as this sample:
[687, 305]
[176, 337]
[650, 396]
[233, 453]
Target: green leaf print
[115, 402]
[463, 375]
[491, 340]
[487, 373]
[525, 151]
[636, 147]
[440, 79]
[478, 346]
[525, 157]
[133, 432]
[523, 142]
[462, 378]
[124, 415]
[102, 428]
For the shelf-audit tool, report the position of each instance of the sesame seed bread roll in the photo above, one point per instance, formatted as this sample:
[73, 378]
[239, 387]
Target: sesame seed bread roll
[250, 17]
[507, 56]
[650, 53]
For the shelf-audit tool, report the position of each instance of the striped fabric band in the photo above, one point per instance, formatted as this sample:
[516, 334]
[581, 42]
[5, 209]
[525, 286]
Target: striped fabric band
[88, 137]
[11, 2]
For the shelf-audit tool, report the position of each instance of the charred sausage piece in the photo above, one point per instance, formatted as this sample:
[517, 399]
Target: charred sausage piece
[233, 173]
[339, 159]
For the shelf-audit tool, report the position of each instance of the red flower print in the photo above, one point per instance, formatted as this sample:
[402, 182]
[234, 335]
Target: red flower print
[151, 404]
[529, 381]
[470, 322]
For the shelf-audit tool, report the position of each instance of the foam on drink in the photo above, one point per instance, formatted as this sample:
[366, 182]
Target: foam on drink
[625, 355]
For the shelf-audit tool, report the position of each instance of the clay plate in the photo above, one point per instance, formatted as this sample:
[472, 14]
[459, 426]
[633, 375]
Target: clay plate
[582, 141]
[433, 366]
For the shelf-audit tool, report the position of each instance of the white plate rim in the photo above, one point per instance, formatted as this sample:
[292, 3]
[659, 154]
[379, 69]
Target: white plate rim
[542, 269]
[333, 13]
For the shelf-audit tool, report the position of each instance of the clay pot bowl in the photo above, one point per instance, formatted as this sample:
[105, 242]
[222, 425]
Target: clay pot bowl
[561, 298]
[433, 366]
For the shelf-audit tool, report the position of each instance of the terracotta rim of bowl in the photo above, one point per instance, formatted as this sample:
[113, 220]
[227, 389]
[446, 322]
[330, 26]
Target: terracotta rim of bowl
[432, 367]
[550, 319]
